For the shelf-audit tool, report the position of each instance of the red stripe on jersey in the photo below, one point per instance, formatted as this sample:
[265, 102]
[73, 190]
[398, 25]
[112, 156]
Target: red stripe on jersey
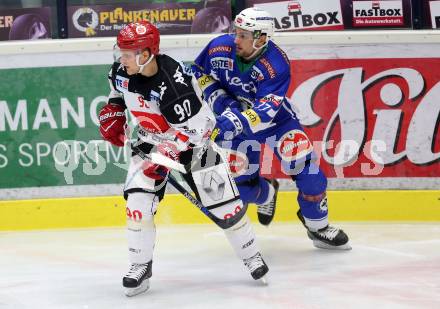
[152, 122]
[182, 137]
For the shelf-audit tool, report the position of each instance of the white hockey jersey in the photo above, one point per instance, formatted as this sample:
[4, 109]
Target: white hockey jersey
[165, 105]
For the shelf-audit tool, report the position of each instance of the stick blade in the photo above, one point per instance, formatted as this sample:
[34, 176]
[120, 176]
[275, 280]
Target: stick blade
[167, 162]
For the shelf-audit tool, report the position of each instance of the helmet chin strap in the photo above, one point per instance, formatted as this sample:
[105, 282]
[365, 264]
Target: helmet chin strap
[257, 50]
[141, 66]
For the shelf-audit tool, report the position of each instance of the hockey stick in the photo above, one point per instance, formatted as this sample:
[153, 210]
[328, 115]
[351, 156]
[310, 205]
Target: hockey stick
[158, 158]
[222, 223]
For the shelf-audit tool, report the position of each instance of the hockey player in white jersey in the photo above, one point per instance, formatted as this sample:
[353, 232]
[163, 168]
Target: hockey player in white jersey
[158, 91]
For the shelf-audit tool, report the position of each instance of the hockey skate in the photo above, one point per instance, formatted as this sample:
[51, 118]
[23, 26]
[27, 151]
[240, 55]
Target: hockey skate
[257, 267]
[327, 238]
[137, 280]
[266, 212]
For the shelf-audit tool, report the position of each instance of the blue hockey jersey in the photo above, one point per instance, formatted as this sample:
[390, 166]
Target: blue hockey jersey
[260, 86]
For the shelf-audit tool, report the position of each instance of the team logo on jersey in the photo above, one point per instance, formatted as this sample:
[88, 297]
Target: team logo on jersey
[178, 77]
[121, 83]
[294, 145]
[274, 100]
[222, 63]
[238, 163]
[162, 89]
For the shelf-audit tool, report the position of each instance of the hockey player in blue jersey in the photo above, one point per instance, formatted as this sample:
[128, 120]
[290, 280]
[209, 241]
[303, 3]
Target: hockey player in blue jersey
[244, 77]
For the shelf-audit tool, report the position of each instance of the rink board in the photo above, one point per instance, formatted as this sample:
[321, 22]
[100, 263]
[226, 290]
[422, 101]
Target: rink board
[363, 87]
[372, 205]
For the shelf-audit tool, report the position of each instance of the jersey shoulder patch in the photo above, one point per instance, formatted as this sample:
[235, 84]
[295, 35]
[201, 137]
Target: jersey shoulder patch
[273, 62]
[222, 45]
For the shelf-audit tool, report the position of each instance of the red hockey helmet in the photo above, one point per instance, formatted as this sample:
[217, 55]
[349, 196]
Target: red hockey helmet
[139, 35]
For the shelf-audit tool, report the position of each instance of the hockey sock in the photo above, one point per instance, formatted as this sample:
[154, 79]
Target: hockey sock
[141, 231]
[241, 236]
[311, 197]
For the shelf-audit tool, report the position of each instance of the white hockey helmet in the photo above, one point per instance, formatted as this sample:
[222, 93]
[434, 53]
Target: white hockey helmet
[255, 20]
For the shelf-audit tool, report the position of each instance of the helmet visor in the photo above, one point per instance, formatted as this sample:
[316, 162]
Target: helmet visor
[242, 34]
[120, 55]
[116, 53]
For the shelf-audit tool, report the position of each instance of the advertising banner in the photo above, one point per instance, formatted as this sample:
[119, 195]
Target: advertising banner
[303, 14]
[49, 128]
[170, 18]
[25, 24]
[434, 14]
[337, 14]
[370, 111]
[371, 117]
[377, 13]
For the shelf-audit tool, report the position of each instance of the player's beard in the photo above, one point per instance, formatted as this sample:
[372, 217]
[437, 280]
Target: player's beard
[242, 52]
[239, 52]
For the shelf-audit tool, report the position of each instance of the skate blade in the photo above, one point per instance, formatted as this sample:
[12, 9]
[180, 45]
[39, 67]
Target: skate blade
[263, 280]
[145, 285]
[323, 245]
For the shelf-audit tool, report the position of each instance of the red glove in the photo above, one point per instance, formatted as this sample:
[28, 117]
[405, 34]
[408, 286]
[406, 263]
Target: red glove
[154, 171]
[112, 121]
